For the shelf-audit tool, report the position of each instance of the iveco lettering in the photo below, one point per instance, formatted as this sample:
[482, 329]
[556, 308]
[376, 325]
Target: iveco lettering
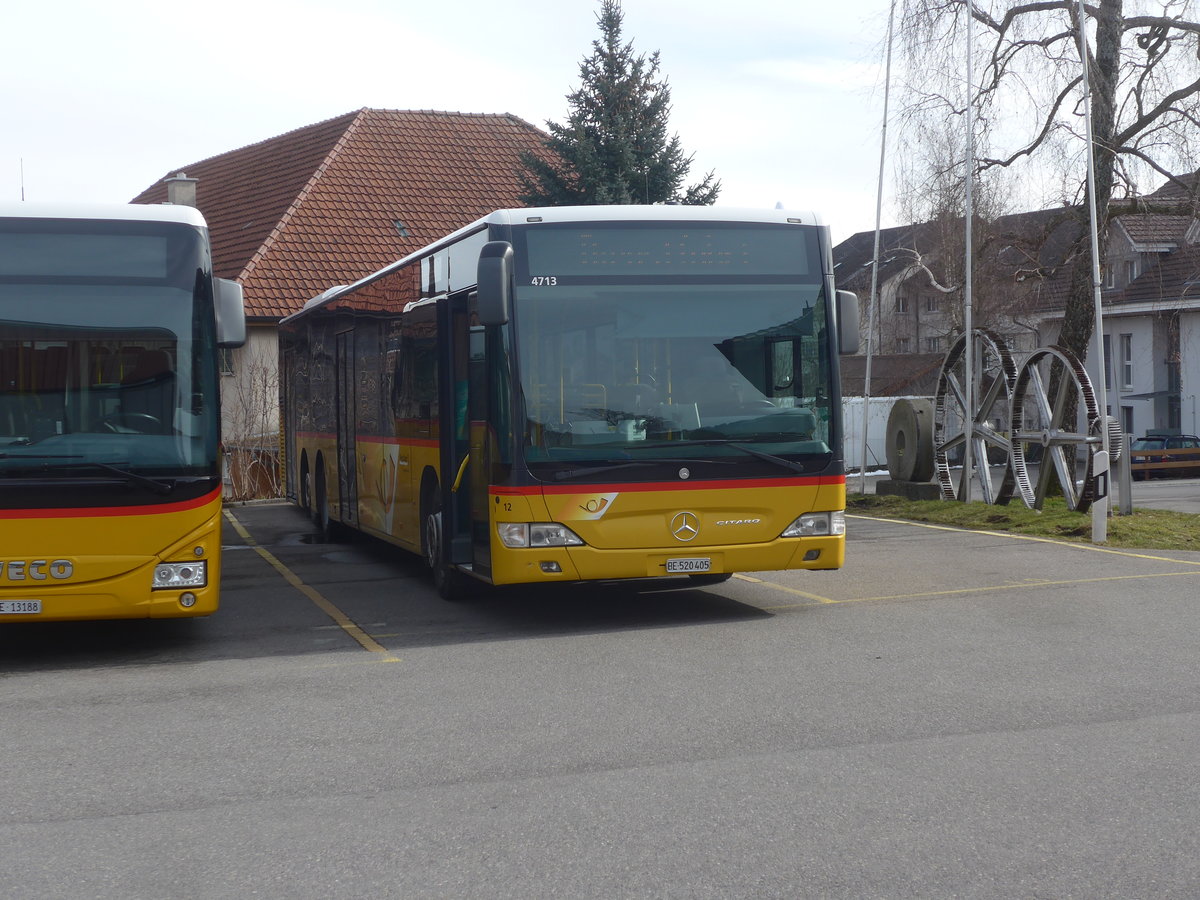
[36, 569]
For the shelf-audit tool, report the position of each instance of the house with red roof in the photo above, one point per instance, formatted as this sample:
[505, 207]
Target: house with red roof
[332, 202]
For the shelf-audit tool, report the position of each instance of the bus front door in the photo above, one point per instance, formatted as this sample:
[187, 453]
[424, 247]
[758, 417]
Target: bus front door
[465, 516]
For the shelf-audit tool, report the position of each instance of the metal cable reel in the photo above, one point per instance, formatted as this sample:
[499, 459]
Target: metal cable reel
[910, 440]
[1054, 421]
[994, 376]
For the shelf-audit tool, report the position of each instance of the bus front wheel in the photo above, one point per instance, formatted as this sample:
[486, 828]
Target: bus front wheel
[446, 580]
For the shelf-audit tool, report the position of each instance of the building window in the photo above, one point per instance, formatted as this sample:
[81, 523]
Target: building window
[1131, 270]
[1127, 361]
[1108, 362]
[1110, 277]
[902, 345]
[226, 360]
[931, 303]
[933, 345]
[901, 303]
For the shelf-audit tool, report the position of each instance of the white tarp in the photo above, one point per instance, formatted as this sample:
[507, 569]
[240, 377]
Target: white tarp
[852, 419]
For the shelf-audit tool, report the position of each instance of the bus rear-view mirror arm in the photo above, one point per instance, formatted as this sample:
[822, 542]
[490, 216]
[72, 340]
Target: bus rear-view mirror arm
[495, 282]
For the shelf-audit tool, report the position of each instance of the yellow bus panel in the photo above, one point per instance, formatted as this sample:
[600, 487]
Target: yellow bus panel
[631, 531]
[99, 564]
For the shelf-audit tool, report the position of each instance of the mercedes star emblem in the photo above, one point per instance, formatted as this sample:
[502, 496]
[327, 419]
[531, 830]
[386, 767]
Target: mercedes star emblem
[685, 526]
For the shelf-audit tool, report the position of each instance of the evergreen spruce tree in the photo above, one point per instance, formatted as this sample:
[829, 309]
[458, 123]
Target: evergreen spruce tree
[614, 146]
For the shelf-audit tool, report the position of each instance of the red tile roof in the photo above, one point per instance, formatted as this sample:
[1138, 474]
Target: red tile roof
[1155, 229]
[319, 206]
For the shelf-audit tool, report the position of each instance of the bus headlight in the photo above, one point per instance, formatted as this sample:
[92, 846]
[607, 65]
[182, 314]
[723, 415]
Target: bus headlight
[537, 534]
[817, 525]
[180, 575]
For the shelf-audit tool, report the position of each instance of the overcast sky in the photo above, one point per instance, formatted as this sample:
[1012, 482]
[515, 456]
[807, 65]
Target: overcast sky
[782, 98]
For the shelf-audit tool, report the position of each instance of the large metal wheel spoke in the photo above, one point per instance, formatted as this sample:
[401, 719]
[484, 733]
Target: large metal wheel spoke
[1055, 425]
[992, 377]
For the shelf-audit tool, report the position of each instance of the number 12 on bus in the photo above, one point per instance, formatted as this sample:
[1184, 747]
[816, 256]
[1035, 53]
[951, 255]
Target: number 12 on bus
[571, 394]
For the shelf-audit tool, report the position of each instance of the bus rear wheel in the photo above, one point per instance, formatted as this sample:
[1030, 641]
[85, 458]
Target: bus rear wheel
[320, 507]
[305, 487]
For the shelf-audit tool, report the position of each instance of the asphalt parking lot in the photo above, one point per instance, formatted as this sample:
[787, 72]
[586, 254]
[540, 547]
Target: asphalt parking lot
[952, 714]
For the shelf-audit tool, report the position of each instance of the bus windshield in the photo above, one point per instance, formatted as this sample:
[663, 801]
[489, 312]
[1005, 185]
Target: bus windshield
[105, 354]
[652, 345]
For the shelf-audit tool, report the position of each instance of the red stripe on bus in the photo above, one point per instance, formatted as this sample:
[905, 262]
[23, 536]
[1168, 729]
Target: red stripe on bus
[739, 484]
[374, 439]
[101, 511]
[399, 442]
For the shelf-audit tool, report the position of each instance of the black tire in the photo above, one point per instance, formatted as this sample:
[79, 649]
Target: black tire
[305, 492]
[447, 581]
[320, 507]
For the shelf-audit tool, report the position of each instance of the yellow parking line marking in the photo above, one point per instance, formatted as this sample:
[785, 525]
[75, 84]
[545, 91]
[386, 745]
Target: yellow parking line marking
[342, 620]
[986, 588]
[981, 589]
[787, 590]
[1029, 537]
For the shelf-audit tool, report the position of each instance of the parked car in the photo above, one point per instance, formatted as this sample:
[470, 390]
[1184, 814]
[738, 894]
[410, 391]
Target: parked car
[1143, 466]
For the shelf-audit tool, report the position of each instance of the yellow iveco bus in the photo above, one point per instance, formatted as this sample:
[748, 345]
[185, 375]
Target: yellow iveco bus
[110, 479]
[568, 394]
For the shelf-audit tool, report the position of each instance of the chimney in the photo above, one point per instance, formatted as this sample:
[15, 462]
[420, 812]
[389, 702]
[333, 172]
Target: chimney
[181, 190]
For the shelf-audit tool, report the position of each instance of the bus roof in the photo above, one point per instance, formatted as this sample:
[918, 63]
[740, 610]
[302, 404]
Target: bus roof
[135, 212]
[563, 214]
[658, 212]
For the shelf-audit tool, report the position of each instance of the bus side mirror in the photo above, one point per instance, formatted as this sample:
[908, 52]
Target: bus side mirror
[230, 312]
[847, 313]
[495, 282]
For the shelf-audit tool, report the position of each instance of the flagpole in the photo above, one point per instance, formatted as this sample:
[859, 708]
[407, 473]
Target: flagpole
[874, 297]
[968, 251]
[1101, 504]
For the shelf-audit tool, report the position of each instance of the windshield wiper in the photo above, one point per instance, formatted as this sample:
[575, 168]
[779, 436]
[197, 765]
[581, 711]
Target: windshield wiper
[737, 445]
[563, 474]
[636, 464]
[159, 487]
[153, 484]
[41, 455]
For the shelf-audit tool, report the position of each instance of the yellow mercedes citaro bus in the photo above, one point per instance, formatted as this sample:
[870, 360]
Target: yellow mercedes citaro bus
[110, 478]
[592, 393]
